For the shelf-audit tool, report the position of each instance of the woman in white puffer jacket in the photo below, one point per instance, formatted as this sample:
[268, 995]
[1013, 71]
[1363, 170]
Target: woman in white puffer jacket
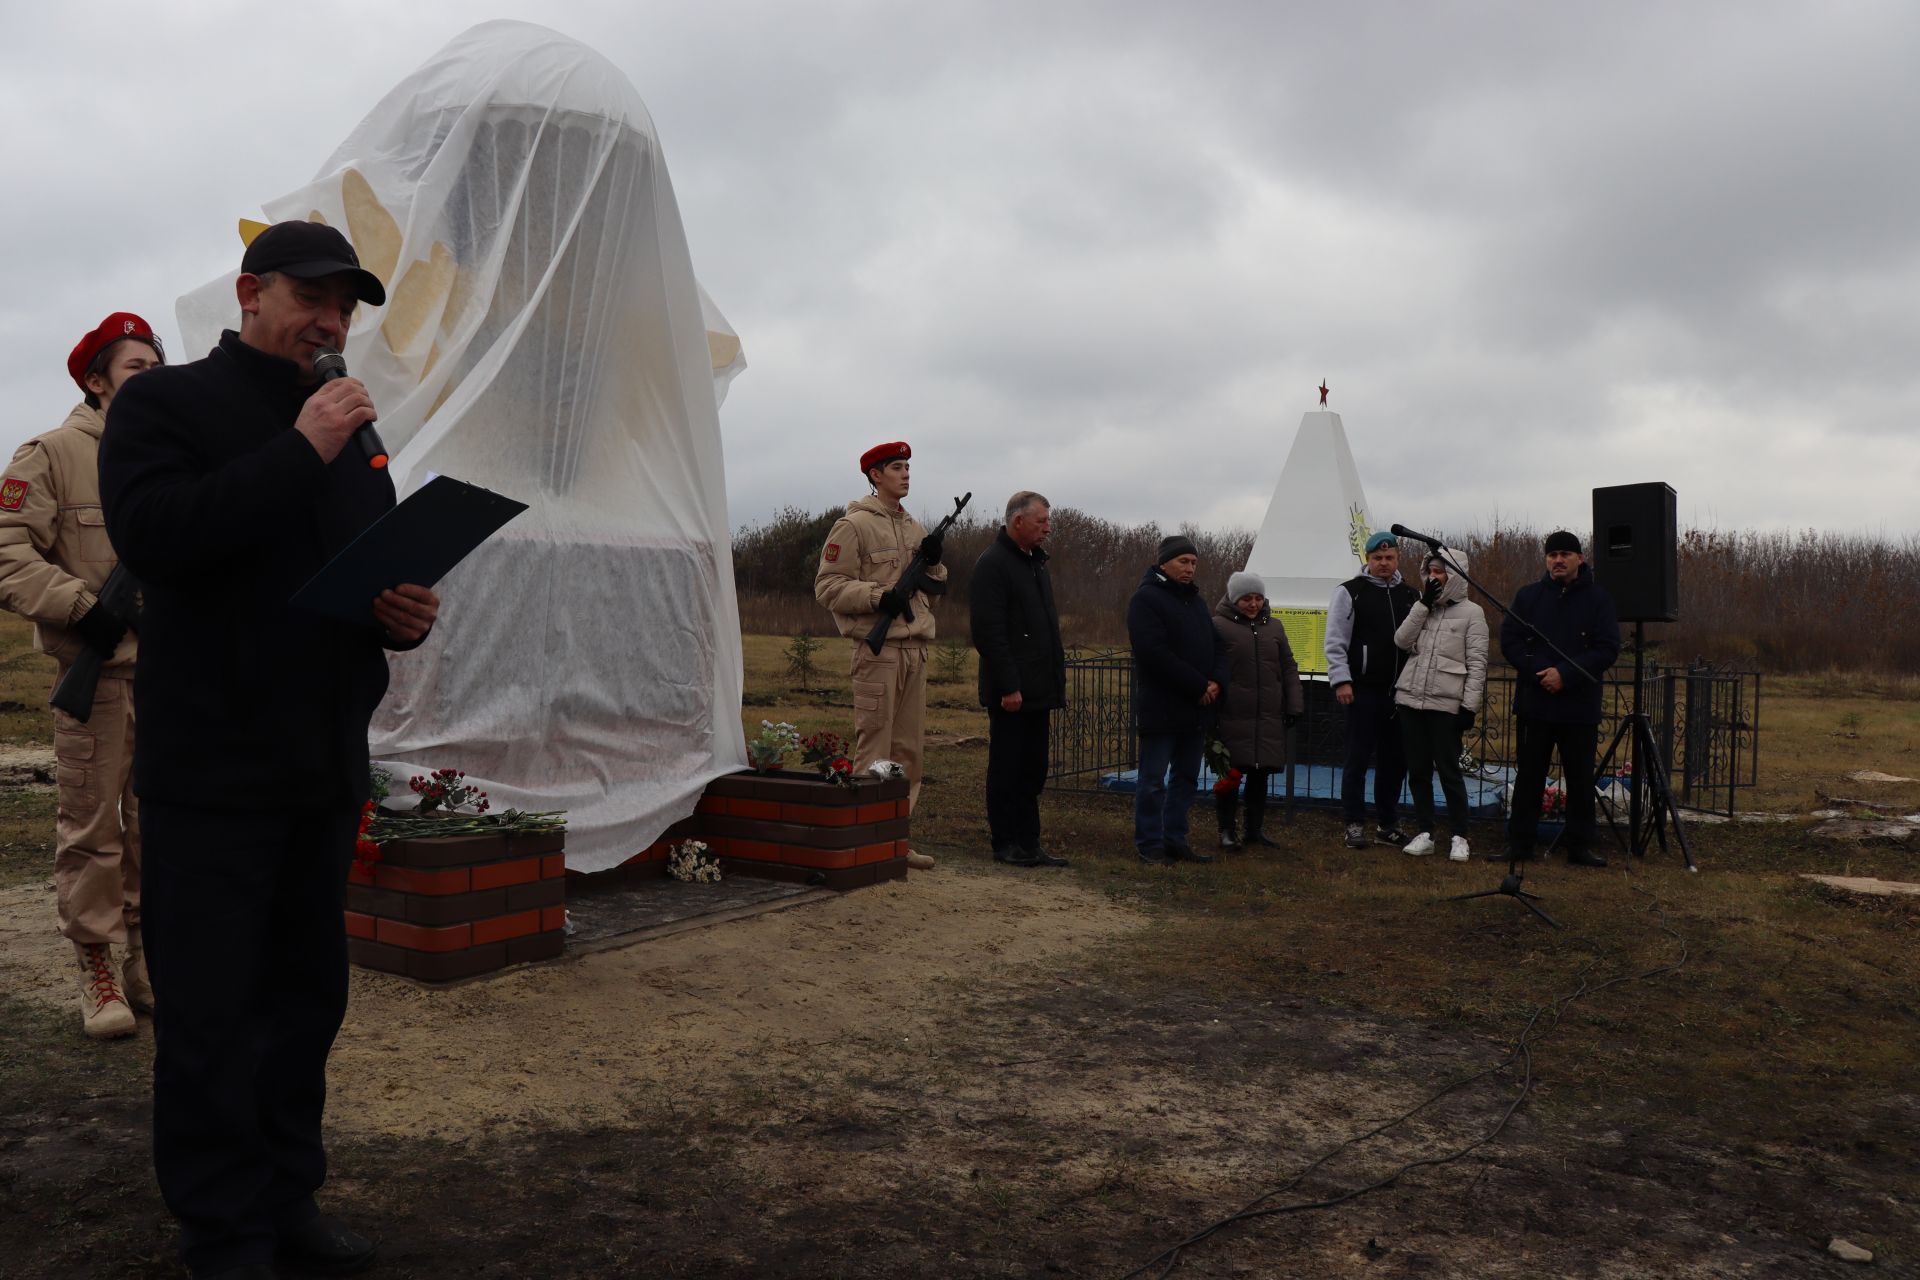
[1438, 694]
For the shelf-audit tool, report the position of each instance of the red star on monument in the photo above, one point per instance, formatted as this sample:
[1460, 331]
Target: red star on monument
[1323, 393]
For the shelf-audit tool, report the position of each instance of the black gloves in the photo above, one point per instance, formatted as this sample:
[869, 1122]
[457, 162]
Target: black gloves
[1430, 595]
[1463, 719]
[892, 602]
[929, 550]
[101, 630]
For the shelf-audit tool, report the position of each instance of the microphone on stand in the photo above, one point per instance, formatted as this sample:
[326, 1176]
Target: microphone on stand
[330, 364]
[1397, 530]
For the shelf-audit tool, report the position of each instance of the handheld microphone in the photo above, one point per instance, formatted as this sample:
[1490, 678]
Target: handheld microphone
[330, 364]
[1397, 530]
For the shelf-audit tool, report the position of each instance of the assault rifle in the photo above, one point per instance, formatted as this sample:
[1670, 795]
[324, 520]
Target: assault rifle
[911, 580]
[120, 597]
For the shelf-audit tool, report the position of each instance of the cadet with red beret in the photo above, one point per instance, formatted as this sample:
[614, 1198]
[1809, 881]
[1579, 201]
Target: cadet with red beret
[54, 558]
[867, 550]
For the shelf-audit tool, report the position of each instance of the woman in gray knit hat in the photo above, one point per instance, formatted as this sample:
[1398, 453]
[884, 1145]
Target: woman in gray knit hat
[1262, 698]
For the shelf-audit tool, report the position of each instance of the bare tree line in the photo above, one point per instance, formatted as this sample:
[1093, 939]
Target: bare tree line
[1788, 602]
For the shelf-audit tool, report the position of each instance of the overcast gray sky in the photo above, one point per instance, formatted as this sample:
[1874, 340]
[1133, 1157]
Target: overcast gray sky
[1106, 250]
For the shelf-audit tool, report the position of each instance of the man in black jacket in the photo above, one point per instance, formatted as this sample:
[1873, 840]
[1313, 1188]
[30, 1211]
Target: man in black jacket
[226, 483]
[1179, 669]
[1023, 676]
[1362, 665]
[1557, 702]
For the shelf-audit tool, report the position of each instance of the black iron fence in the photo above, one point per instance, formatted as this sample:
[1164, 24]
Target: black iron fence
[1093, 736]
[1705, 721]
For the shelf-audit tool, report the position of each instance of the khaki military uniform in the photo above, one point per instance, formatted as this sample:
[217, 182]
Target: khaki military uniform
[54, 557]
[866, 552]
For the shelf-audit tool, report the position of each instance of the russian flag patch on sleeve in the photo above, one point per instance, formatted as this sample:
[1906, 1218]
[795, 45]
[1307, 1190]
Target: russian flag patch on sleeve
[12, 494]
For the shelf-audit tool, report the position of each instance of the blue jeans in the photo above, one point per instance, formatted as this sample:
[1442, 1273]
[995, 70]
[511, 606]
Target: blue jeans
[1159, 807]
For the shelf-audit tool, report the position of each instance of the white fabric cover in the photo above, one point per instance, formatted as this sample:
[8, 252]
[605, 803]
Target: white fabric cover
[544, 337]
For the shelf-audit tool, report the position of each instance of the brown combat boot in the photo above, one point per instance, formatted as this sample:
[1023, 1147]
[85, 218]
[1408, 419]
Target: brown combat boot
[919, 861]
[133, 973]
[104, 1012]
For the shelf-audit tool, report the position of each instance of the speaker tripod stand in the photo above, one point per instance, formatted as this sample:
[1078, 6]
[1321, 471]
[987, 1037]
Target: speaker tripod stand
[1648, 822]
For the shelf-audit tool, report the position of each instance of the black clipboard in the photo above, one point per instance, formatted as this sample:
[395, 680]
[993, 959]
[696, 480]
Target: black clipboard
[418, 541]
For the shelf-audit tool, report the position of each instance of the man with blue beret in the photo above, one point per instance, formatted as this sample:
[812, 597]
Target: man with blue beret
[1362, 664]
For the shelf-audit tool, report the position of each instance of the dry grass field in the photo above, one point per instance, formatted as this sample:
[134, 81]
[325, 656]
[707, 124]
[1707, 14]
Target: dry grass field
[1701, 1075]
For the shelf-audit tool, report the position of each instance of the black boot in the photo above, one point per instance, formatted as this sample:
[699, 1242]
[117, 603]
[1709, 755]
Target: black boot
[1257, 822]
[1225, 805]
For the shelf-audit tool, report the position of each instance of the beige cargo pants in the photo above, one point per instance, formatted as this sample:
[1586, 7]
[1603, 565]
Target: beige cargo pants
[890, 708]
[96, 858]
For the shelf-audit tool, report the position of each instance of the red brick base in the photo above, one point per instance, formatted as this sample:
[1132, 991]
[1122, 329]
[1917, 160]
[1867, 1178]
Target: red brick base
[457, 906]
[794, 826]
[453, 907]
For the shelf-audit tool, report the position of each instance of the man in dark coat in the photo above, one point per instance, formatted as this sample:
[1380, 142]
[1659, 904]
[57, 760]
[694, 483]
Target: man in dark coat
[1179, 669]
[1557, 696]
[226, 483]
[1023, 676]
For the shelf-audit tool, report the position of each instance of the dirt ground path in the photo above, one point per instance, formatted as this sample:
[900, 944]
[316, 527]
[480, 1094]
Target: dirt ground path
[952, 1076]
[586, 1041]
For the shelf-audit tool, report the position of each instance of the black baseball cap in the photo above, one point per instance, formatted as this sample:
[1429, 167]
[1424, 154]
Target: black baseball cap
[310, 250]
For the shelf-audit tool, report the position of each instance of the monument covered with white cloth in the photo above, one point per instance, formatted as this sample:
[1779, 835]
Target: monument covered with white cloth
[544, 337]
[1314, 535]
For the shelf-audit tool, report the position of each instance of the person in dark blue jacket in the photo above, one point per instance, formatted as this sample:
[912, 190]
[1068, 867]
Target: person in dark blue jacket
[1556, 702]
[1023, 675]
[1179, 669]
[224, 483]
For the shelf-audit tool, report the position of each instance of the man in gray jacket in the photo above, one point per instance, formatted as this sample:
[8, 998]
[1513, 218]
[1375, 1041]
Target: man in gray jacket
[1362, 663]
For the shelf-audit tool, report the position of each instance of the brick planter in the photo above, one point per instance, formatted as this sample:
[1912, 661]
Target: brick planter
[456, 906]
[795, 826]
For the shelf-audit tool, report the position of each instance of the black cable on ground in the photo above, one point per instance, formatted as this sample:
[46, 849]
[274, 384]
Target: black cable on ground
[1521, 1051]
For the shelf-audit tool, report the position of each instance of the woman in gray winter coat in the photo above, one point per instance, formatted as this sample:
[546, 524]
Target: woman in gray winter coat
[1438, 694]
[1262, 698]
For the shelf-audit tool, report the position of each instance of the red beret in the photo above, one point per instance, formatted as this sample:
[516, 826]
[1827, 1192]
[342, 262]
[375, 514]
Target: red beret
[121, 324]
[881, 454]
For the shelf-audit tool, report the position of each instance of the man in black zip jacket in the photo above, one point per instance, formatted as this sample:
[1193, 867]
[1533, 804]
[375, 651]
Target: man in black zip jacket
[1023, 676]
[1179, 670]
[1557, 704]
[226, 483]
[1362, 664]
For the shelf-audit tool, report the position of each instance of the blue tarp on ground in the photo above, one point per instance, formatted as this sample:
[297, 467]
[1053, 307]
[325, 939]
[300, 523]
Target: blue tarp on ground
[1320, 784]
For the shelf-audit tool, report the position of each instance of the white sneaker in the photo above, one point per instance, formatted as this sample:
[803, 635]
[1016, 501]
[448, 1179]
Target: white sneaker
[1459, 852]
[1420, 844]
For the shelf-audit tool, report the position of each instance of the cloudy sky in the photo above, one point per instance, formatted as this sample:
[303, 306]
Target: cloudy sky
[1107, 250]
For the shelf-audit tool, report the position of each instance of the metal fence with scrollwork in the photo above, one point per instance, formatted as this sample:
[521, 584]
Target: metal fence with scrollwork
[1705, 720]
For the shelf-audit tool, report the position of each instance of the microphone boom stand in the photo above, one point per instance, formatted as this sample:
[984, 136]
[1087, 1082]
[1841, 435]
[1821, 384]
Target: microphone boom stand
[1512, 884]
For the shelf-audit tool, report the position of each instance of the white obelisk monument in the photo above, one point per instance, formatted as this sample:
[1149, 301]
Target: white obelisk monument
[1315, 533]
